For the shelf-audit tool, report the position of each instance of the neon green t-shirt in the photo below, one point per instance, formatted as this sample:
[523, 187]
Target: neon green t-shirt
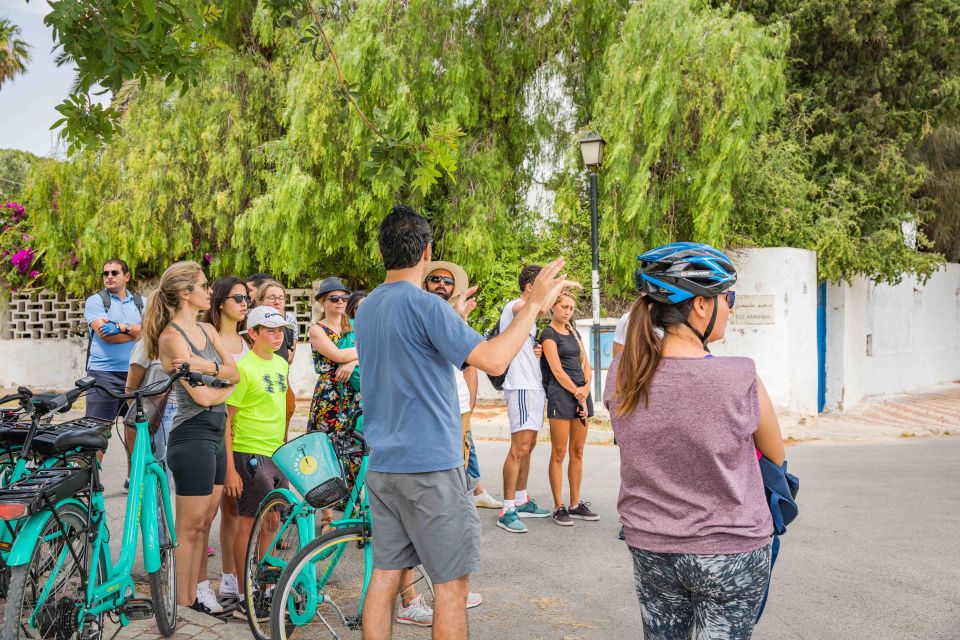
[261, 402]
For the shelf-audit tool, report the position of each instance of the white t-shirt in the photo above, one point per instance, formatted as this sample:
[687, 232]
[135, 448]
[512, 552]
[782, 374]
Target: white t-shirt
[524, 371]
[139, 355]
[463, 392]
[620, 333]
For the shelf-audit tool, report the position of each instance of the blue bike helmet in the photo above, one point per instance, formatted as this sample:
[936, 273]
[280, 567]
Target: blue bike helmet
[680, 271]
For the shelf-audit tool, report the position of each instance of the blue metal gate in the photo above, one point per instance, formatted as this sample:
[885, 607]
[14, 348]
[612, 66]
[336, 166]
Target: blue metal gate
[821, 346]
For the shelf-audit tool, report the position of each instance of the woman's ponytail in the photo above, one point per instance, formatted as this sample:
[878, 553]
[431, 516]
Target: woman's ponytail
[641, 355]
[163, 304]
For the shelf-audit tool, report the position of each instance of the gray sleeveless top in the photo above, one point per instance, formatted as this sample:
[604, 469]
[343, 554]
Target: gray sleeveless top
[186, 407]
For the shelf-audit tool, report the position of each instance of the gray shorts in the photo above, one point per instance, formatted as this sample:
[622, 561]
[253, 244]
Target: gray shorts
[425, 518]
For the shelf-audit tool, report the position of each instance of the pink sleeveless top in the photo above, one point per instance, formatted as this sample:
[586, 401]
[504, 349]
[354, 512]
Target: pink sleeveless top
[689, 478]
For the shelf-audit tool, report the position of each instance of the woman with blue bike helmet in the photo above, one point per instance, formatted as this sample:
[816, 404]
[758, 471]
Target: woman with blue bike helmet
[690, 426]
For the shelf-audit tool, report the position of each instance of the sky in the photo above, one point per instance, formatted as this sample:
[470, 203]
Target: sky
[27, 102]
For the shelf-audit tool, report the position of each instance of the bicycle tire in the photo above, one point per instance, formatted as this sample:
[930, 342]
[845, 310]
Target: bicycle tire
[256, 582]
[54, 623]
[333, 542]
[164, 579]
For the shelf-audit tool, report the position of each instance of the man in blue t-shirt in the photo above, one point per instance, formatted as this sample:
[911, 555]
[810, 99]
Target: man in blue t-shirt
[113, 331]
[420, 497]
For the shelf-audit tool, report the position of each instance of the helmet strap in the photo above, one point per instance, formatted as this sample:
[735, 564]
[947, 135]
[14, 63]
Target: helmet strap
[706, 334]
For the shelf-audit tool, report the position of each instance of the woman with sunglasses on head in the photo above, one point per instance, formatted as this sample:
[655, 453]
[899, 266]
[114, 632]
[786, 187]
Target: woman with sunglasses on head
[689, 426]
[272, 294]
[195, 452]
[228, 310]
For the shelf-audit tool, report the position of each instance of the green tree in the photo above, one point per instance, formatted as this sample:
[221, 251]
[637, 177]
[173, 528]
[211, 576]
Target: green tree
[15, 166]
[685, 90]
[867, 81]
[14, 51]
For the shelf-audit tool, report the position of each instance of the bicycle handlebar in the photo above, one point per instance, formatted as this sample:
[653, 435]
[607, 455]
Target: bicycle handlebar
[66, 399]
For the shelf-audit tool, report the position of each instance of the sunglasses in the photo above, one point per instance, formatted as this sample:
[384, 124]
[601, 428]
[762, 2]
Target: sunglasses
[444, 279]
[336, 299]
[205, 285]
[112, 272]
[273, 298]
[239, 297]
[730, 297]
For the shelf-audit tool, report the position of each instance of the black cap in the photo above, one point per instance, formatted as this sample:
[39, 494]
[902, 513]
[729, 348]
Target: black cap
[333, 283]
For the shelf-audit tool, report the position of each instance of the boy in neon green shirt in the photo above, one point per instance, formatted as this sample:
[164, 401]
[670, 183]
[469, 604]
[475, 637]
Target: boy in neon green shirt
[256, 426]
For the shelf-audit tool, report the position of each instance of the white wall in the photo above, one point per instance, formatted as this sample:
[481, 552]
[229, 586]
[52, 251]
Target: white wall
[896, 338]
[780, 284]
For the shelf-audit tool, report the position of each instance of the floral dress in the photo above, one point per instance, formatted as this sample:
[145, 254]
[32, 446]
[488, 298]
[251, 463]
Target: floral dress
[333, 403]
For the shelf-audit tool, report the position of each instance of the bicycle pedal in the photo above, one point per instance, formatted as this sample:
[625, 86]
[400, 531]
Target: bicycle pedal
[137, 608]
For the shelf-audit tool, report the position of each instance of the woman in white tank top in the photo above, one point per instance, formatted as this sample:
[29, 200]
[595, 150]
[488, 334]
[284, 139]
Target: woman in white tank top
[228, 313]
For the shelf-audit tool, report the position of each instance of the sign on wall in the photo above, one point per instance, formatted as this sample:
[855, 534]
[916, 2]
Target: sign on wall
[753, 310]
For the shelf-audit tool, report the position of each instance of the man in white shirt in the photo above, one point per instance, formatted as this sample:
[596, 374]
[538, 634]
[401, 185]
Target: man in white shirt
[526, 400]
[449, 280]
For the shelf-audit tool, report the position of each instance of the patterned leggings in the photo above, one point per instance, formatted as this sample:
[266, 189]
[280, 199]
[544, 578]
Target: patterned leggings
[718, 596]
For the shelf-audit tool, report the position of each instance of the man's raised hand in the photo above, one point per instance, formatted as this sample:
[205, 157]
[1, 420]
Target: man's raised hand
[465, 303]
[550, 283]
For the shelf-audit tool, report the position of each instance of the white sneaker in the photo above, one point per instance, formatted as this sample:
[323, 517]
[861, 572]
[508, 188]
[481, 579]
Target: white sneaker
[417, 612]
[474, 600]
[229, 587]
[208, 598]
[486, 501]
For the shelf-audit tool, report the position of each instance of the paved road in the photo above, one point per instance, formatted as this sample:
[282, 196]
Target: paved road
[873, 554]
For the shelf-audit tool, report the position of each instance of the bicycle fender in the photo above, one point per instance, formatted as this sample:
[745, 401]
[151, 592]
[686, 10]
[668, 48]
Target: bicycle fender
[26, 540]
[286, 493]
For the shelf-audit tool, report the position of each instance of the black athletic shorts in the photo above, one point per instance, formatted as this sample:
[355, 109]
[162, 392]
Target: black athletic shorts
[563, 405]
[259, 479]
[196, 454]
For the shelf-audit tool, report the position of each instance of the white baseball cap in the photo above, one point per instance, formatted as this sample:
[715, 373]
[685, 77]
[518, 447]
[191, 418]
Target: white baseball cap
[264, 316]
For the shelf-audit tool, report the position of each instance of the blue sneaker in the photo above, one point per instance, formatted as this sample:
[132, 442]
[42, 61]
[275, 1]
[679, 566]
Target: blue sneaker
[510, 521]
[529, 509]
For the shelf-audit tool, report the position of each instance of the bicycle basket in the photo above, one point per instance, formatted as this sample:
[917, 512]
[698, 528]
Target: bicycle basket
[312, 467]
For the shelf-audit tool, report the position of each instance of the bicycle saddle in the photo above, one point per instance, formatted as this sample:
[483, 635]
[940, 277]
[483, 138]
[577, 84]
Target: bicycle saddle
[88, 439]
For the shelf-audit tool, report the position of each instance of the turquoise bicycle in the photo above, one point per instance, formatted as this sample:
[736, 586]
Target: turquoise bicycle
[326, 582]
[62, 577]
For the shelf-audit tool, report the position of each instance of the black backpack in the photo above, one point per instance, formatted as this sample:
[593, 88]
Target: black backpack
[105, 296]
[497, 381]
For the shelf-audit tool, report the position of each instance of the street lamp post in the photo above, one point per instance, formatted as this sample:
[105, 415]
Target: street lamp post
[591, 149]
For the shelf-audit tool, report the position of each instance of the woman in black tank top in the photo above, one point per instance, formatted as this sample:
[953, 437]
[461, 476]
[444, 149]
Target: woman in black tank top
[566, 379]
[195, 452]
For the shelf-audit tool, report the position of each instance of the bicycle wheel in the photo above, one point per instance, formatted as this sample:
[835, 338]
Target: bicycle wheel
[267, 555]
[163, 581]
[52, 564]
[323, 586]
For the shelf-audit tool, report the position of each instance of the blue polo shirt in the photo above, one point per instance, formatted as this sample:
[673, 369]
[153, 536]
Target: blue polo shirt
[407, 339]
[103, 355]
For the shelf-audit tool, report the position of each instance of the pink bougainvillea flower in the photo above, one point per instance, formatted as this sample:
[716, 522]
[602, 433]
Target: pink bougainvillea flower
[22, 259]
[34, 273]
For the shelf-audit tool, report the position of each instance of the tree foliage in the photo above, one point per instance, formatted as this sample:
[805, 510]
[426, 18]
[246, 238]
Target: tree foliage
[14, 51]
[686, 88]
[275, 135]
[867, 81]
